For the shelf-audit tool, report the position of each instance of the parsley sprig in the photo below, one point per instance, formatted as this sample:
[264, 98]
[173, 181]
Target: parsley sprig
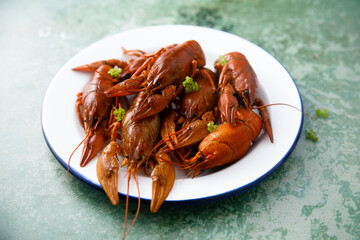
[211, 126]
[114, 72]
[222, 60]
[322, 113]
[119, 114]
[311, 135]
[190, 85]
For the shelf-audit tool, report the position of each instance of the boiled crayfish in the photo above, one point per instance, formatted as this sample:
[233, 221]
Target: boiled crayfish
[238, 80]
[196, 110]
[161, 76]
[165, 121]
[227, 143]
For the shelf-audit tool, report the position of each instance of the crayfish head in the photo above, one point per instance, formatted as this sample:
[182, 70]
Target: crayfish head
[96, 108]
[91, 117]
[155, 85]
[193, 162]
[133, 159]
[91, 123]
[197, 158]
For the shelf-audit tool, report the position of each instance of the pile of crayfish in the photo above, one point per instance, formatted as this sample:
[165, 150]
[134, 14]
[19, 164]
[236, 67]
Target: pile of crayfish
[172, 119]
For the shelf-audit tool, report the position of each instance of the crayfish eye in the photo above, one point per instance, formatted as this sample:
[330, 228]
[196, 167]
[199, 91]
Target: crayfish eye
[127, 156]
[247, 95]
[139, 158]
[95, 119]
[200, 158]
[157, 83]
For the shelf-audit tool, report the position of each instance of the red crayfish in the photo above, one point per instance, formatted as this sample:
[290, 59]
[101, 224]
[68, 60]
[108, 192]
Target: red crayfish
[165, 121]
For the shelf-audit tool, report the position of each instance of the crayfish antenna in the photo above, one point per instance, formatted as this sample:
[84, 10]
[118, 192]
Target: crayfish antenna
[127, 204]
[261, 107]
[86, 136]
[134, 172]
[210, 78]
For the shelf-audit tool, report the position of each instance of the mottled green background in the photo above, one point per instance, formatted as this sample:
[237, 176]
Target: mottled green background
[314, 195]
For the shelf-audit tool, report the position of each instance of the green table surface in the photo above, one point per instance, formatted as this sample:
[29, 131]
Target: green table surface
[315, 194]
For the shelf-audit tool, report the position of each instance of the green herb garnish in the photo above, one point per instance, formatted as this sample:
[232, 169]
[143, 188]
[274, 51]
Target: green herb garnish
[114, 72]
[222, 60]
[326, 113]
[311, 135]
[211, 126]
[119, 114]
[190, 85]
[319, 113]
[322, 113]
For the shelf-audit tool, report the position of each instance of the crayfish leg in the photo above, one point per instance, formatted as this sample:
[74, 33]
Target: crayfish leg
[193, 132]
[168, 130]
[78, 105]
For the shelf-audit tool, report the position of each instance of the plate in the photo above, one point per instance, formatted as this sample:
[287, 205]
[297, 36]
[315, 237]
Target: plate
[63, 132]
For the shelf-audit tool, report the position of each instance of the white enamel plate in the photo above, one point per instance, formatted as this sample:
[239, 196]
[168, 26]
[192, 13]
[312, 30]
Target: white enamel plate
[63, 132]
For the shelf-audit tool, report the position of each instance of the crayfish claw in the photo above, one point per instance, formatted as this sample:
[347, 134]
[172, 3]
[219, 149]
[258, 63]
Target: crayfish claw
[163, 178]
[154, 104]
[93, 144]
[228, 104]
[127, 87]
[265, 117]
[91, 67]
[107, 168]
[195, 131]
